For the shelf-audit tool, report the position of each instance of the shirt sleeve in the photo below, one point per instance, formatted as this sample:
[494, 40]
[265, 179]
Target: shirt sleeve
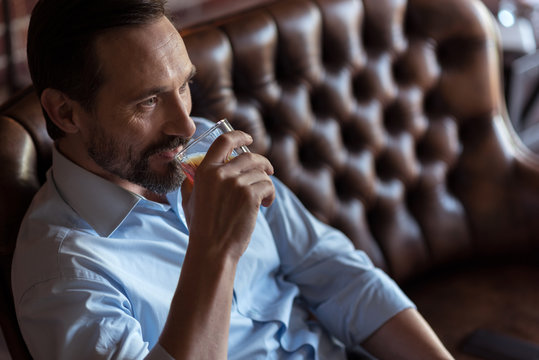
[341, 286]
[82, 319]
[158, 353]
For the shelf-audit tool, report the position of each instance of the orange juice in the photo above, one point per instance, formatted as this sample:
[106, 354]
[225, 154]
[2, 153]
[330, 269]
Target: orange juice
[190, 164]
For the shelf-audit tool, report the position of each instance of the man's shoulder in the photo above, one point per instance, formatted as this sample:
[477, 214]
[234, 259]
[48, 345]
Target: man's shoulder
[48, 209]
[46, 225]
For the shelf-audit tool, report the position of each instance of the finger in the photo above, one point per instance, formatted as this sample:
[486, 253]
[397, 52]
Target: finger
[260, 184]
[266, 191]
[248, 161]
[223, 146]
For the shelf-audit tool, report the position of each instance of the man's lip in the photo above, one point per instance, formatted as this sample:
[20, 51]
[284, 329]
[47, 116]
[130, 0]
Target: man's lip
[170, 154]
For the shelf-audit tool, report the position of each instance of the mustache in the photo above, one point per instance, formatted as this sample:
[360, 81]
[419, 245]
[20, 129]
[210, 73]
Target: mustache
[167, 144]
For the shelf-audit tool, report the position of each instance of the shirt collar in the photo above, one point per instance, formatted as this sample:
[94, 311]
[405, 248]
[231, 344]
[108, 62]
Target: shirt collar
[101, 203]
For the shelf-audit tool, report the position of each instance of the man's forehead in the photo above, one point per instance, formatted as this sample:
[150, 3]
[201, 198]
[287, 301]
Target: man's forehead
[137, 50]
[144, 37]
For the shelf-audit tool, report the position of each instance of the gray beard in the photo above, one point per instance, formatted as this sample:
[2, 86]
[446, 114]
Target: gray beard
[121, 160]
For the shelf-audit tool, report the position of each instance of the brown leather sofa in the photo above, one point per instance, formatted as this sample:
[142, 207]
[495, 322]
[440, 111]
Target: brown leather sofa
[386, 118]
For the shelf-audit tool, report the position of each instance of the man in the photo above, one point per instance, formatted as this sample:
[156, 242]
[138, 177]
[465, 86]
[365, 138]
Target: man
[114, 261]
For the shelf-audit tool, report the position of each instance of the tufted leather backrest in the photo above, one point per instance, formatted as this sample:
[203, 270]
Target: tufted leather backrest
[385, 117]
[25, 155]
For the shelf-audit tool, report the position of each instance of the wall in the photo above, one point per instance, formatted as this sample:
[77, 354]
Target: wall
[14, 15]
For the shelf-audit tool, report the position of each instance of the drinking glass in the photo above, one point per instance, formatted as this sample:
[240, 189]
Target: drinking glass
[193, 154]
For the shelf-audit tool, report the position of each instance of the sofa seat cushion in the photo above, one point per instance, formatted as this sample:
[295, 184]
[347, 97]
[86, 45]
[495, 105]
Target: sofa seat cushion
[503, 298]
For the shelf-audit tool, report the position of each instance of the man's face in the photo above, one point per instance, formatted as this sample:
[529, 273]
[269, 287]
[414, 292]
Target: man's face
[141, 117]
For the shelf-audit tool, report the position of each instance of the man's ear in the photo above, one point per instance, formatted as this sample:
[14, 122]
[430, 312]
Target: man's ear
[60, 109]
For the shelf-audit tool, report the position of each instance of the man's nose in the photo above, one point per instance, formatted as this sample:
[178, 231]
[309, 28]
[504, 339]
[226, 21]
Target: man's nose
[178, 121]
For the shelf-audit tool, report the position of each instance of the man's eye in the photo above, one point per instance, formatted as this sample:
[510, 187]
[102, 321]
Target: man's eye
[149, 102]
[185, 86]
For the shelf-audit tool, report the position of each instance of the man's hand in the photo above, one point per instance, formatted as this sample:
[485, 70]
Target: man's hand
[222, 206]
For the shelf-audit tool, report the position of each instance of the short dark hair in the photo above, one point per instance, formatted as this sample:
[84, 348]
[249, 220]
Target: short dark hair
[61, 44]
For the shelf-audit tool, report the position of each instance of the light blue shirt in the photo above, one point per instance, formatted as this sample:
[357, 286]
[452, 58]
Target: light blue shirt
[96, 267]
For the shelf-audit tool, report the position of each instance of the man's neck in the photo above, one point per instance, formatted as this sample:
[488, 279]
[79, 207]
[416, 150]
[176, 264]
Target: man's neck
[160, 198]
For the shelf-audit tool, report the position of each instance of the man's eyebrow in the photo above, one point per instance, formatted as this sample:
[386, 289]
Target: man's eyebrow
[192, 73]
[150, 92]
[160, 89]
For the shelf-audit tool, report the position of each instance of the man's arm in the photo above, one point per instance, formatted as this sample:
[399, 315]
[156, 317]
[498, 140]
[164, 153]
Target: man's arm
[405, 336]
[221, 210]
[199, 318]
[356, 302]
